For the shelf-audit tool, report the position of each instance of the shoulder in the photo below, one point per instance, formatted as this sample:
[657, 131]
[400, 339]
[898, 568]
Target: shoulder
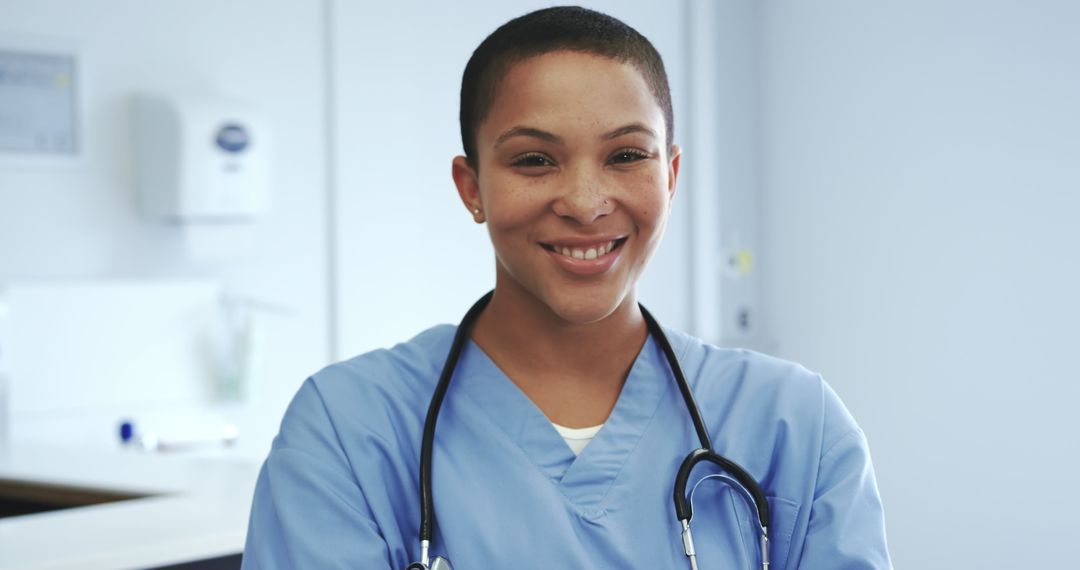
[409, 366]
[739, 368]
[765, 386]
[374, 391]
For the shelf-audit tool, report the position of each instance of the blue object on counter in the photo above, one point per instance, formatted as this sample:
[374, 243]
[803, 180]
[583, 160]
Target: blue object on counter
[127, 432]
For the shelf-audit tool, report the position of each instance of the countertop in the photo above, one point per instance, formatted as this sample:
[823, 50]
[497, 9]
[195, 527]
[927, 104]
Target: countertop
[198, 509]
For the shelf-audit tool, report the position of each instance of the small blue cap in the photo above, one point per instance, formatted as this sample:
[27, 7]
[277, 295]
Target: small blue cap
[127, 431]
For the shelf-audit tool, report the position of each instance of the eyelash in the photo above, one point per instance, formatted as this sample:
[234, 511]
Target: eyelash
[632, 155]
[624, 156]
[528, 159]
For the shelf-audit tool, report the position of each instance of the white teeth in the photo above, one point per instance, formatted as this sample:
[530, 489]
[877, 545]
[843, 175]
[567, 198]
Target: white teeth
[587, 253]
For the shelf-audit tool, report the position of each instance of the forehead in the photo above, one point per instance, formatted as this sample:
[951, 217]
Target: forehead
[571, 90]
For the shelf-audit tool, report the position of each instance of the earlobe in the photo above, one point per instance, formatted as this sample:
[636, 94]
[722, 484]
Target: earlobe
[468, 187]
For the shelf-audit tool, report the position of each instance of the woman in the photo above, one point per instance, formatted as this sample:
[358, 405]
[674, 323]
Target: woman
[559, 439]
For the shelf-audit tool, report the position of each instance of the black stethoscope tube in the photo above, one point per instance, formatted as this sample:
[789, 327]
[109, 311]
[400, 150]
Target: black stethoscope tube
[680, 379]
[683, 507]
[427, 501]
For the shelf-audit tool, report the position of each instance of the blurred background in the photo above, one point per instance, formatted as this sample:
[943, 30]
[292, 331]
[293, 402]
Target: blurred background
[887, 193]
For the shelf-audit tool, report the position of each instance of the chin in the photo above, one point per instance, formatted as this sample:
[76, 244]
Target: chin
[585, 307]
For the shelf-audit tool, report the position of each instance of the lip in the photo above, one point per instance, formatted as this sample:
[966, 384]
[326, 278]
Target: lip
[585, 266]
[582, 241]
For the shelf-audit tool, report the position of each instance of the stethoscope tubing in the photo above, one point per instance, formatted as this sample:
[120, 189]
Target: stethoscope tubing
[680, 379]
[427, 501]
[684, 508]
[683, 505]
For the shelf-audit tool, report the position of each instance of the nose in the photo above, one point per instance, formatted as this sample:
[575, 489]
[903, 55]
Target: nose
[584, 198]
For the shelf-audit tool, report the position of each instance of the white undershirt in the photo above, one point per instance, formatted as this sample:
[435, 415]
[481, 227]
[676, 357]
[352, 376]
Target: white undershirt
[577, 438]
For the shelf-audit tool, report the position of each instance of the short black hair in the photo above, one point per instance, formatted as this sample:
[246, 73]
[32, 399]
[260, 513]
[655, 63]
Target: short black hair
[569, 28]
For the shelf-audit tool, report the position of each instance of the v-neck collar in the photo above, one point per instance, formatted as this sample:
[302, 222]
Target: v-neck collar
[584, 479]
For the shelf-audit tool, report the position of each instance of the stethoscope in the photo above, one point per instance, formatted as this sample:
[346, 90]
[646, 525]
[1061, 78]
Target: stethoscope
[732, 474]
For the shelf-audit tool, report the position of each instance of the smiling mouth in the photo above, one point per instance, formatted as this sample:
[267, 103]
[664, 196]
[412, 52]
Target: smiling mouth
[591, 251]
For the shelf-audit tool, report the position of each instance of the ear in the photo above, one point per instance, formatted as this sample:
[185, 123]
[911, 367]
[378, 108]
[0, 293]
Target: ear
[468, 187]
[673, 169]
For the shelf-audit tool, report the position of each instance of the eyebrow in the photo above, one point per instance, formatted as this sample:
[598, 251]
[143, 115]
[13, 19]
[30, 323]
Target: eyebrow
[628, 129]
[528, 132]
[553, 138]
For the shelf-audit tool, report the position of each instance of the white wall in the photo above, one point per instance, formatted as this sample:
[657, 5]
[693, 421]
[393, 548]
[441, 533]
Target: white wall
[724, 161]
[920, 187]
[81, 222]
[916, 165]
[408, 254]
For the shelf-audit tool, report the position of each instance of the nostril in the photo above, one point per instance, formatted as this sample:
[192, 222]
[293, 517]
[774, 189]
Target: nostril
[583, 210]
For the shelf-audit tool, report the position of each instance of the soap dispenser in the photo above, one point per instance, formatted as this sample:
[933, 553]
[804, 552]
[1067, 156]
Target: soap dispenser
[200, 159]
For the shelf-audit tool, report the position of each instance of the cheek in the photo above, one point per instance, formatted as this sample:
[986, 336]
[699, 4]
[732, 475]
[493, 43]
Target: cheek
[510, 205]
[651, 200]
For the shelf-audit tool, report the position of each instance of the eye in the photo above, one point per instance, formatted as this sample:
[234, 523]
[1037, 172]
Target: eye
[531, 160]
[628, 156]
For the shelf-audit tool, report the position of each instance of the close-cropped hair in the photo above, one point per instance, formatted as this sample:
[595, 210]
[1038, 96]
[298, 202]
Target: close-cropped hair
[569, 28]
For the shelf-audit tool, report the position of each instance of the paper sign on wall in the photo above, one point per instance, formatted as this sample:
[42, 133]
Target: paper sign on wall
[37, 103]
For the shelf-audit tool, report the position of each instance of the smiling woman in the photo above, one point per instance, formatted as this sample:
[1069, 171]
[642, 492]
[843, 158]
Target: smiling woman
[570, 156]
[570, 416]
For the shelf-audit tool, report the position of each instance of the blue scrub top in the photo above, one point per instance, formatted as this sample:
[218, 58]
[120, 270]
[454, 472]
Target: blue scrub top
[340, 486]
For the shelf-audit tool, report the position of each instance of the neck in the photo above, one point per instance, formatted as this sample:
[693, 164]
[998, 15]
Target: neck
[572, 371]
[530, 332]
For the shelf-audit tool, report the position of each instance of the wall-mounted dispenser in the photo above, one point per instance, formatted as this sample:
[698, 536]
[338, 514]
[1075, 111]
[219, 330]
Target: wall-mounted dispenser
[199, 160]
